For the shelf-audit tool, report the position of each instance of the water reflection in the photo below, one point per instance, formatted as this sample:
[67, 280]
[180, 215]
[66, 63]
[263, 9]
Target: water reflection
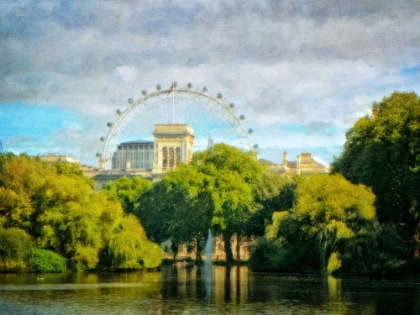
[334, 288]
[177, 290]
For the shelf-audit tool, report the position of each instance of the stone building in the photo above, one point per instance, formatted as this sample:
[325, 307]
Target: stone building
[52, 158]
[133, 155]
[303, 165]
[173, 144]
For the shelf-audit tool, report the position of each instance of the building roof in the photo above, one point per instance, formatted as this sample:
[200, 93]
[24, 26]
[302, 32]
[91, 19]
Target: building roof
[140, 141]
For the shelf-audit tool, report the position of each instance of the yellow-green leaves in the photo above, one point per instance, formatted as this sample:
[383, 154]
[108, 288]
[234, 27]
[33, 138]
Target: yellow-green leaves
[56, 206]
[323, 198]
[129, 248]
[334, 263]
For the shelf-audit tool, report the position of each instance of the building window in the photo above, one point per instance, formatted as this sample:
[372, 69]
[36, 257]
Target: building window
[164, 157]
[178, 156]
[171, 157]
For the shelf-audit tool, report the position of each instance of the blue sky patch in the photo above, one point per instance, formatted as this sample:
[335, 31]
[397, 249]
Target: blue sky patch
[411, 71]
[21, 119]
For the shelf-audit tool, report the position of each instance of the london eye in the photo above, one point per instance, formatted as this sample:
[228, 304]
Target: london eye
[213, 119]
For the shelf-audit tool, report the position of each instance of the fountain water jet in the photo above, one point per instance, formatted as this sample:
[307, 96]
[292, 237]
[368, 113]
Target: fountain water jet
[208, 265]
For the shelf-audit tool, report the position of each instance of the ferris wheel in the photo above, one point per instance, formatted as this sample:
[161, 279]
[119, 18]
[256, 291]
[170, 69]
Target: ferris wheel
[212, 120]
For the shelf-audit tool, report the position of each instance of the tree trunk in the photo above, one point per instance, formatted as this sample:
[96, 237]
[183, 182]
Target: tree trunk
[228, 248]
[238, 247]
[174, 248]
[417, 242]
[198, 258]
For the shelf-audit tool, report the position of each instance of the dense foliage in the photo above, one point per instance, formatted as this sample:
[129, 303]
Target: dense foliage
[215, 190]
[52, 220]
[331, 227]
[382, 151]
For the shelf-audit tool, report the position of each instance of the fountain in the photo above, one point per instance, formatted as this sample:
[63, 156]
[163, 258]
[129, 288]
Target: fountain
[208, 264]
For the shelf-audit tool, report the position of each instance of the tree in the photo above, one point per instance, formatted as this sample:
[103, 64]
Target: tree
[128, 191]
[55, 207]
[169, 211]
[156, 212]
[15, 249]
[272, 192]
[331, 225]
[227, 175]
[382, 151]
[129, 248]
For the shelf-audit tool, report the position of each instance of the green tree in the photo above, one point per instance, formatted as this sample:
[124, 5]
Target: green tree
[129, 248]
[382, 151]
[227, 175]
[156, 212]
[54, 205]
[15, 249]
[128, 191]
[331, 227]
[272, 192]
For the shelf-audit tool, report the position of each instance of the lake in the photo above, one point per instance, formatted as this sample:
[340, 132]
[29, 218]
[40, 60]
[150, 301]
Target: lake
[220, 290]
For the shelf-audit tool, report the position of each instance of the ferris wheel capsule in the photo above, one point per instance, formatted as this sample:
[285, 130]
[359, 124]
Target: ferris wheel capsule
[158, 87]
[250, 130]
[130, 101]
[118, 111]
[98, 154]
[219, 95]
[242, 117]
[255, 146]
[232, 106]
[109, 124]
[102, 139]
[189, 85]
[144, 92]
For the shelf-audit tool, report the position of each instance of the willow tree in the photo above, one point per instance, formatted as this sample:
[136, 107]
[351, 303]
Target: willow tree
[331, 225]
[382, 151]
[129, 247]
[57, 207]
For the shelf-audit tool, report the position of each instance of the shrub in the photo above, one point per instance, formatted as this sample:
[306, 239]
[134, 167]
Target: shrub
[43, 260]
[15, 246]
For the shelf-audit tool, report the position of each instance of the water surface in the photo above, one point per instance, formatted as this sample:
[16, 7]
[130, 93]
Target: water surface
[177, 290]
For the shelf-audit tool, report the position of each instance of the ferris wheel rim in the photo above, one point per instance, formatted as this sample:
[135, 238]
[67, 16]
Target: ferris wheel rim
[123, 116]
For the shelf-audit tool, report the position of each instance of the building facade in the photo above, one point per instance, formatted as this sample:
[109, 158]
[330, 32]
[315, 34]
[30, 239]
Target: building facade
[133, 155]
[303, 165]
[173, 144]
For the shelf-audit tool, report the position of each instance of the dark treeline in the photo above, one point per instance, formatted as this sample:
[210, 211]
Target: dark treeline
[362, 218]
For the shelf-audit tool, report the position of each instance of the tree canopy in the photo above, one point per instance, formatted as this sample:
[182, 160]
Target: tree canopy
[53, 211]
[215, 190]
[382, 151]
[331, 226]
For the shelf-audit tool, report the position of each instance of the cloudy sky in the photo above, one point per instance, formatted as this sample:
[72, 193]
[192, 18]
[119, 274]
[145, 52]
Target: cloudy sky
[301, 71]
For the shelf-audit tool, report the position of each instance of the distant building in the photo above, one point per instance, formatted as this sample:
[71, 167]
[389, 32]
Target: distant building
[52, 158]
[133, 155]
[103, 177]
[304, 165]
[173, 145]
